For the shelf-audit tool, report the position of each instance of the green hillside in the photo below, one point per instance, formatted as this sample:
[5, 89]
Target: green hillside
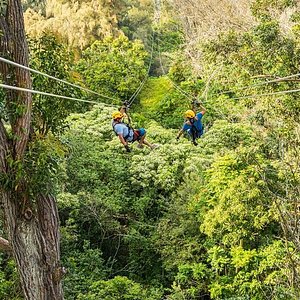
[204, 205]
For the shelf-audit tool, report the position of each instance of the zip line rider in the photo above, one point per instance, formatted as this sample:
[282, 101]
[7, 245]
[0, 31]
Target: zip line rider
[127, 134]
[193, 124]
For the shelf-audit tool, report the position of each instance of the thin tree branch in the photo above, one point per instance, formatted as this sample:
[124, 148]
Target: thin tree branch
[4, 245]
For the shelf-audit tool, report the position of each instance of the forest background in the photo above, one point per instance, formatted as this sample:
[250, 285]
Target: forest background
[216, 221]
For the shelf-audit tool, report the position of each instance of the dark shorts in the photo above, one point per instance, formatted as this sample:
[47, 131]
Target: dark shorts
[138, 134]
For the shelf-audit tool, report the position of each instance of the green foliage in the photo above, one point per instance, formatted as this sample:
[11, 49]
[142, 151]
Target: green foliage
[2, 105]
[114, 67]
[152, 204]
[38, 6]
[263, 9]
[153, 93]
[43, 163]
[120, 288]
[171, 109]
[169, 36]
[254, 274]
[252, 58]
[135, 19]
[79, 264]
[267, 32]
[105, 202]
[240, 209]
[180, 69]
[77, 23]
[224, 136]
[40, 168]
[51, 57]
[161, 171]
[181, 222]
[9, 282]
[159, 101]
[190, 281]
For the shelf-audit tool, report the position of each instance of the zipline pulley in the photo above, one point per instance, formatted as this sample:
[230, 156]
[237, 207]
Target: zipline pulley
[124, 109]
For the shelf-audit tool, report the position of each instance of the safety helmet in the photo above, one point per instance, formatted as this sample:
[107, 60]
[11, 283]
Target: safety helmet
[117, 115]
[189, 114]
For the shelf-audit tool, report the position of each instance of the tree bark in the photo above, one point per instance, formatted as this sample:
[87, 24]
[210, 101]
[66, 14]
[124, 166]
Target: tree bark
[31, 222]
[13, 45]
[35, 244]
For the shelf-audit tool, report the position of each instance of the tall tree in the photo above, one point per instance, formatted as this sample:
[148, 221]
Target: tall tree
[31, 218]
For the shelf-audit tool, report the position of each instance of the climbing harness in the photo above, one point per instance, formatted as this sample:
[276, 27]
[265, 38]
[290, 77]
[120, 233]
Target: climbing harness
[193, 131]
[198, 133]
[130, 130]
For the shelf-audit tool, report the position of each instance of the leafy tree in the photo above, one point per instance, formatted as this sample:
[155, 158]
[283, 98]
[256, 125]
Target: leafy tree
[31, 217]
[51, 57]
[114, 67]
[120, 288]
[267, 52]
[215, 221]
[38, 6]
[79, 264]
[135, 19]
[268, 9]
[78, 24]
[9, 283]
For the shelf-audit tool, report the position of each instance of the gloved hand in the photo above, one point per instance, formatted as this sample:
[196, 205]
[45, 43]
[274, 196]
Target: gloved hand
[127, 148]
[177, 138]
[125, 105]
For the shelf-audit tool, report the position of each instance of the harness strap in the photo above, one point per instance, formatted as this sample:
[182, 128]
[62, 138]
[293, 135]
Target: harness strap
[193, 130]
[129, 128]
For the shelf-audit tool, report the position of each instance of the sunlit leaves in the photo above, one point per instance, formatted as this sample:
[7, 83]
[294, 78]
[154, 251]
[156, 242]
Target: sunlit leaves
[51, 57]
[114, 67]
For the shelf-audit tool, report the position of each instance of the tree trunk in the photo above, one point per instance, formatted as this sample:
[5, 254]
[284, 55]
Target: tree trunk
[31, 222]
[35, 243]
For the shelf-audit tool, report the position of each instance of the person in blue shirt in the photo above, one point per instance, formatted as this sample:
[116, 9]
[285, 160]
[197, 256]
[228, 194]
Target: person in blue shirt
[193, 125]
[127, 134]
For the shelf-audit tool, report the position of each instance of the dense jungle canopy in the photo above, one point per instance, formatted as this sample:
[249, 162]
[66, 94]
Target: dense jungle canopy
[220, 220]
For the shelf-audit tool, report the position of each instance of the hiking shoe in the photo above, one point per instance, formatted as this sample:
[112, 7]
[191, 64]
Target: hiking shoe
[140, 146]
[154, 146]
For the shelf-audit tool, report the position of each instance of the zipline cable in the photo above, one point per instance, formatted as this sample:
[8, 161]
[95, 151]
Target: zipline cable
[205, 92]
[267, 94]
[278, 80]
[184, 93]
[243, 97]
[10, 87]
[157, 5]
[54, 78]
[138, 90]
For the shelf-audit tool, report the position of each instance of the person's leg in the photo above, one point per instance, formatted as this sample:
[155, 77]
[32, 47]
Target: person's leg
[141, 138]
[142, 141]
